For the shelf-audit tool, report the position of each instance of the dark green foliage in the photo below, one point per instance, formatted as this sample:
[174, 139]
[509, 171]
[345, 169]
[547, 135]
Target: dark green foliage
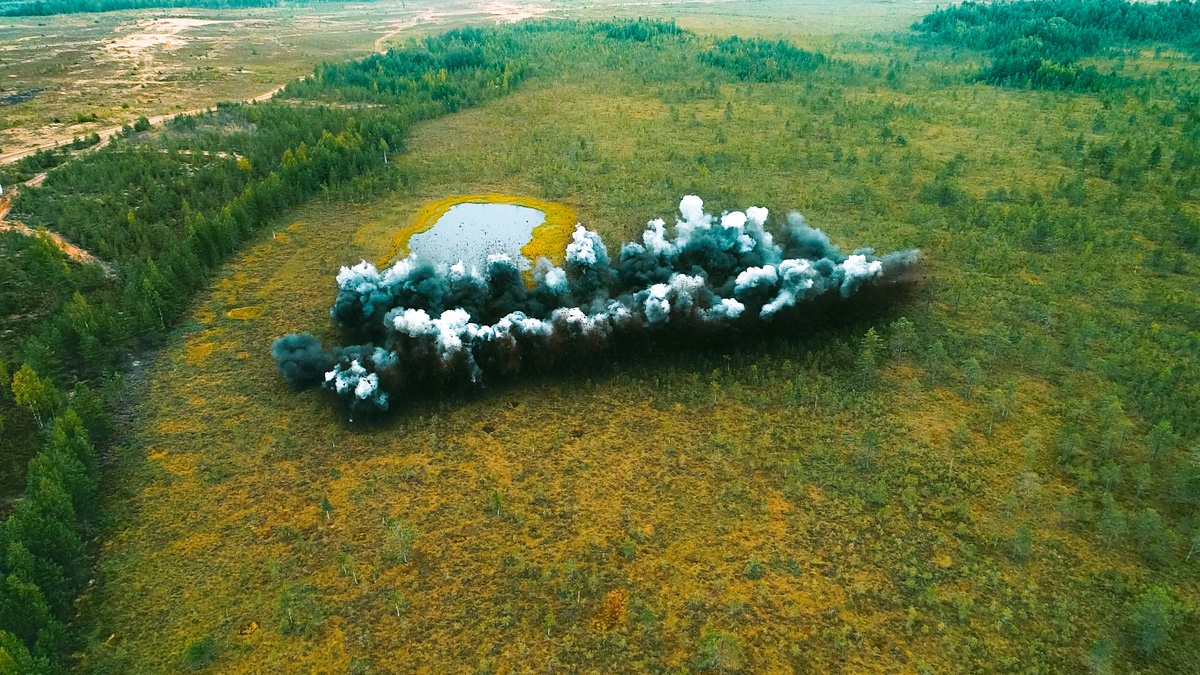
[1186, 488]
[941, 192]
[755, 570]
[1028, 69]
[720, 651]
[759, 60]
[15, 658]
[903, 339]
[42, 160]
[443, 73]
[638, 30]
[1128, 374]
[1100, 658]
[1154, 616]
[164, 209]
[1021, 543]
[44, 565]
[1161, 439]
[1155, 541]
[200, 653]
[1035, 43]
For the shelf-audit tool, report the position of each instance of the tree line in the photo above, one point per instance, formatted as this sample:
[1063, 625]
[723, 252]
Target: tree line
[1038, 43]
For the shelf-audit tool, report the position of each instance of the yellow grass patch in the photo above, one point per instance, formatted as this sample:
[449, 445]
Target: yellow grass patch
[245, 313]
[180, 426]
[197, 352]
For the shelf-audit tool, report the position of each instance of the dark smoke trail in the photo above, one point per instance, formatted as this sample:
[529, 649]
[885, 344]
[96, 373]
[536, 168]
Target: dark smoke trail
[428, 326]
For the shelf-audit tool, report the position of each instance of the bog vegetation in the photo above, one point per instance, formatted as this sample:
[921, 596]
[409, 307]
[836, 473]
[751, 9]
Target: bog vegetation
[1002, 474]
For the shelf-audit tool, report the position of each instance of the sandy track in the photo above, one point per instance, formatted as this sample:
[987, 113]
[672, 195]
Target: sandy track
[72, 251]
[106, 135]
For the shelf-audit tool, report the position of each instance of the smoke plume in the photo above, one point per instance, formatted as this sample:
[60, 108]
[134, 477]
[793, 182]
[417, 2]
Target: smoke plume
[424, 327]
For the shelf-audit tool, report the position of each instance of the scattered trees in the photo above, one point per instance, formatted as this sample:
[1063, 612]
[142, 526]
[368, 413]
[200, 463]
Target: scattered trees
[49, 7]
[165, 210]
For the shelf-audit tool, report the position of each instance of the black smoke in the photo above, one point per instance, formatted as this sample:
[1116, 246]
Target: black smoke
[422, 327]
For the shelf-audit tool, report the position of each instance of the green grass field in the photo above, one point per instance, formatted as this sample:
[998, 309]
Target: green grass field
[779, 508]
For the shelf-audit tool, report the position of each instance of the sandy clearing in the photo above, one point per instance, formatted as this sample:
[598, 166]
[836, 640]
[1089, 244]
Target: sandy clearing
[499, 12]
[151, 33]
[166, 33]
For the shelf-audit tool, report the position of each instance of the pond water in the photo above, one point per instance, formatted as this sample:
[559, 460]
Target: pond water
[472, 232]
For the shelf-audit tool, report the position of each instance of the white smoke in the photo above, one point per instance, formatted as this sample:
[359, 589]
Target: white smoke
[795, 279]
[657, 308]
[586, 248]
[356, 381]
[727, 309]
[556, 279]
[756, 277]
[657, 284]
[856, 269]
[655, 238]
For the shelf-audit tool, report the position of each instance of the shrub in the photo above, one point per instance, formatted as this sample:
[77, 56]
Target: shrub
[398, 542]
[200, 653]
[1153, 618]
[299, 611]
[720, 651]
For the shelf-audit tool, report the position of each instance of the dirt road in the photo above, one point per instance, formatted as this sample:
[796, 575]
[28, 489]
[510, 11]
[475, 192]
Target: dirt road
[106, 135]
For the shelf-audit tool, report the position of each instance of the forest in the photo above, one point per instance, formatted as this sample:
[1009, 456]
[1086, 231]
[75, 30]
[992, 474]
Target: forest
[1040, 43]
[1055, 323]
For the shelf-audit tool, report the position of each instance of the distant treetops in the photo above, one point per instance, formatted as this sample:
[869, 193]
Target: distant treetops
[1037, 43]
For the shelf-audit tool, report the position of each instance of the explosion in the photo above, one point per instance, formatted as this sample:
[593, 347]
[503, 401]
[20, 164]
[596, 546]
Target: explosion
[425, 327]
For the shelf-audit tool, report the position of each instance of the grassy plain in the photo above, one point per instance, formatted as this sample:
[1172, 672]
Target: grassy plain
[778, 500]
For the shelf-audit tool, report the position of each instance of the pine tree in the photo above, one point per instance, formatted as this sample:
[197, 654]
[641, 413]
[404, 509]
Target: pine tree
[1161, 439]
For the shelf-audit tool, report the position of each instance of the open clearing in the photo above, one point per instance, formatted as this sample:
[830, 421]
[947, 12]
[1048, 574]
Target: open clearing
[607, 520]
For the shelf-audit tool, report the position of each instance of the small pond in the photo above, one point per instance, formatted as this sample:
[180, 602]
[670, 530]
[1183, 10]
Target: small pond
[471, 232]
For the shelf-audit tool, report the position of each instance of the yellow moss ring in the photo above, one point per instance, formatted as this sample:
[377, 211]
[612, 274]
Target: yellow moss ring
[548, 240]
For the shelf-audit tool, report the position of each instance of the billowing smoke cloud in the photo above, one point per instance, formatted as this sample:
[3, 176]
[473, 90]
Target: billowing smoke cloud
[425, 327]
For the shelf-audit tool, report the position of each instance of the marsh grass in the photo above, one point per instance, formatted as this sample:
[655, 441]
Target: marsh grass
[776, 506]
